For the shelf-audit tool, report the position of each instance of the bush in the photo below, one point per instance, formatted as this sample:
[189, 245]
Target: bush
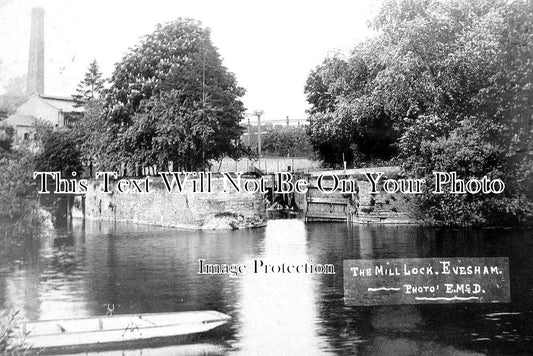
[468, 152]
[287, 141]
[18, 191]
[6, 138]
[59, 154]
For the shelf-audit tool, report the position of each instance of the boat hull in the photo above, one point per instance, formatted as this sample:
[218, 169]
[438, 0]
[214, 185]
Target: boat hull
[60, 336]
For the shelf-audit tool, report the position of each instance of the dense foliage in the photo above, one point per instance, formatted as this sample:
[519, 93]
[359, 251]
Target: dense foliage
[6, 138]
[59, 153]
[53, 151]
[170, 101]
[288, 141]
[445, 85]
[17, 189]
[87, 133]
[347, 118]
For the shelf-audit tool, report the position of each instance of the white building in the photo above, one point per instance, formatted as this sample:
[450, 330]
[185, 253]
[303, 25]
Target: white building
[56, 111]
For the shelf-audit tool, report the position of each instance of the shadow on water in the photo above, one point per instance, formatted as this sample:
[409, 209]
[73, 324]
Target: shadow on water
[76, 270]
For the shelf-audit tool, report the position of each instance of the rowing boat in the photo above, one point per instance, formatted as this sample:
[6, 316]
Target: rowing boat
[112, 331]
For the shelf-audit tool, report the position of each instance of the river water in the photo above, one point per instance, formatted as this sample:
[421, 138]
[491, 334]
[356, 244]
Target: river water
[77, 270]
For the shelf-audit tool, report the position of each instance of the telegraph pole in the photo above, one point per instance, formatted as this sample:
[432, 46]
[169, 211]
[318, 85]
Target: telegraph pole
[258, 113]
[249, 134]
[203, 72]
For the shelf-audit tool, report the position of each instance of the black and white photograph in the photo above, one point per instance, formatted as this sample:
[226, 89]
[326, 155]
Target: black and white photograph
[233, 177]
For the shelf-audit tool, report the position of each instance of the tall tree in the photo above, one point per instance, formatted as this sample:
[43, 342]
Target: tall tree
[449, 84]
[347, 117]
[172, 100]
[91, 87]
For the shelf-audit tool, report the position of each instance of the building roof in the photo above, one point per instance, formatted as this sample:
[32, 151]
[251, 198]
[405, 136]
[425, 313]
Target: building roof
[20, 120]
[64, 104]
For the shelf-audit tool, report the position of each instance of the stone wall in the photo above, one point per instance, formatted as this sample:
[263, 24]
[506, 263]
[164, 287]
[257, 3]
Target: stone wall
[362, 206]
[215, 210]
[381, 207]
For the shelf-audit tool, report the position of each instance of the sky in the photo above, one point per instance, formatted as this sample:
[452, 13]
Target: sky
[271, 46]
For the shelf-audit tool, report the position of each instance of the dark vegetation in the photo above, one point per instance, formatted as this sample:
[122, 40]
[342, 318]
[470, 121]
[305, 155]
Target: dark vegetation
[443, 86]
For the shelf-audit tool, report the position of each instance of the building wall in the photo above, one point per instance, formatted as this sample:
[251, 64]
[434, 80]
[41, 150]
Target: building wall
[215, 210]
[39, 109]
[21, 131]
[266, 164]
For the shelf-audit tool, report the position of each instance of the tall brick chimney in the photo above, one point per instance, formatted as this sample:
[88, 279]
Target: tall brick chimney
[35, 80]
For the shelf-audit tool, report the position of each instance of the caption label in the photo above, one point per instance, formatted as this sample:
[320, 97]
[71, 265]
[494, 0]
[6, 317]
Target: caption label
[426, 281]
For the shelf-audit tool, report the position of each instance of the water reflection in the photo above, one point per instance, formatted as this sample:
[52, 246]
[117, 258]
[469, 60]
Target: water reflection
[404, 321]
[278, 313]
[76, 271]
[405, 347]
[199, 349]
